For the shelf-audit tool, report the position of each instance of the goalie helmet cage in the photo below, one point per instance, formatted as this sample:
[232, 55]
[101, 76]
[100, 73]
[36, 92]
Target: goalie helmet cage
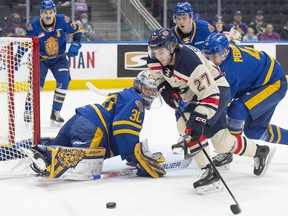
[19, 92]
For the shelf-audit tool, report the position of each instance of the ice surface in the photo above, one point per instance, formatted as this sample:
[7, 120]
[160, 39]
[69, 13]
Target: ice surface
[170, 195]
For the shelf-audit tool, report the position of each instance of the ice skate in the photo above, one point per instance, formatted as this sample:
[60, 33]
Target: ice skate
[209, 182]
[262, 159]
[27, 116]
[178, 148]
[222, 160]
[56, 119]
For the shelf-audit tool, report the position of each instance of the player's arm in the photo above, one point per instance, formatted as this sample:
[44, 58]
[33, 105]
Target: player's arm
[168, 93]
[74, 30]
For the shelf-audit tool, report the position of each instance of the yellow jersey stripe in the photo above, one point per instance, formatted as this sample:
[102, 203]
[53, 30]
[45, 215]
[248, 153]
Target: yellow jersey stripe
[127, 123]
[263, 95]
[269, 73]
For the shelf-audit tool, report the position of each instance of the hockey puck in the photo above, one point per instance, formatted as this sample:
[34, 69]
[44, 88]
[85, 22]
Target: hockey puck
[111, 205]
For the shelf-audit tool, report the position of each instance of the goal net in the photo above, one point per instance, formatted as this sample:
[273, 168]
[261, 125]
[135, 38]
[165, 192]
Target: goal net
[19, 95]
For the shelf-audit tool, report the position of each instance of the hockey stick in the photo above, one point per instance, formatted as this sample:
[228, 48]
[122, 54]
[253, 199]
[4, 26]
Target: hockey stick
[94, 89]
[235, 208]
[53, 57]
[97, 91]
[169, 166]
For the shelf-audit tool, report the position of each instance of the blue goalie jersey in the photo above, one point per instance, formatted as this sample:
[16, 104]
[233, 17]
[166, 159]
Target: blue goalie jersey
[121, 118]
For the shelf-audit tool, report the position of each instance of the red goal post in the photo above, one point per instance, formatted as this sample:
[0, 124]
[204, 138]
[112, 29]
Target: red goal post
[19, 89]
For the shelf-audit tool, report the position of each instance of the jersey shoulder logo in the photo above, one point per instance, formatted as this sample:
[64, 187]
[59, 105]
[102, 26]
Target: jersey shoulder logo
[139, 105]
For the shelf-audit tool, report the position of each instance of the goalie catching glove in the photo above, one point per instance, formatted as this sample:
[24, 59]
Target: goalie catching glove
[169, 94]
[146, 165]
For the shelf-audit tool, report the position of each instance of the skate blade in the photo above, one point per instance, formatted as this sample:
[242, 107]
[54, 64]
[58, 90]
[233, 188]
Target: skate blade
[131, 164]
[56, 124]
[207, 189]
[224, 167]
[268, 160]
[27, 124]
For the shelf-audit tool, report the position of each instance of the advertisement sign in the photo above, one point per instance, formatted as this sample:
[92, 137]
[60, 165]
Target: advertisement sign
[132, 58]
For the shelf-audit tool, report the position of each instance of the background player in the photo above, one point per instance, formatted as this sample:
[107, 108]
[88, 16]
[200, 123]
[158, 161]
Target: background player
[257, 82]
[115, 126]
[193, 32]
[51, 30]
[183, 71]
[188, 31]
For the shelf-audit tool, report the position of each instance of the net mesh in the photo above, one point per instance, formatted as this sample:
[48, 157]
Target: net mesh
[16, 96]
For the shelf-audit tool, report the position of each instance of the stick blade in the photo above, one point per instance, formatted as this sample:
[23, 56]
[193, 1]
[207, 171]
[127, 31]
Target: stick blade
[95, 89]
[235, 209]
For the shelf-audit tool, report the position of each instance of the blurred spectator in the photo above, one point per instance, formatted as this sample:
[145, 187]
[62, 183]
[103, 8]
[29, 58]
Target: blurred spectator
[16, 27]
[250, 36]
[258, 23]
[237, 24]
[80, 7]
[83, 36]
[62, 3]
[157, 9]
[219, 24]
[284, 31]
[16, 3]
[88, 32]
[197, 16]
[269, 34]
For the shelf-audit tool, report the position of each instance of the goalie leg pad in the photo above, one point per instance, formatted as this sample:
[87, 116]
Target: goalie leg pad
[74, 163]
[150, 165]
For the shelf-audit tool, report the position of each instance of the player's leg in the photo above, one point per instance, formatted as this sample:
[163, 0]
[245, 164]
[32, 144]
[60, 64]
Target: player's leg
[257, 120]
[66, 162]
[225, 142]
[78, 133]
[209, 180]
[61, 73]
[253, 111]
[28, 101]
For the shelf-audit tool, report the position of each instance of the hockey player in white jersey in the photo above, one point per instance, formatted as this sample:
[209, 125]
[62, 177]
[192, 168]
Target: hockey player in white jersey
[183, 72]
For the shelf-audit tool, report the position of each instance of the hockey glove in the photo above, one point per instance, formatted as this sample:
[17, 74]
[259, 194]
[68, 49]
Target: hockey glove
[74, 48]
[169, 94]
[147, 166]
[195, 125]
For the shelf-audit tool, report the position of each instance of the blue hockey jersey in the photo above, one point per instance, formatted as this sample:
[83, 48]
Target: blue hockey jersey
[52, 40]
[121, 118]
[247, 69]
[200, 31]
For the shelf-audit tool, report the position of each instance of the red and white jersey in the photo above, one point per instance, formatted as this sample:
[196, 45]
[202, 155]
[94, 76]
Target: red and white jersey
[193, 76]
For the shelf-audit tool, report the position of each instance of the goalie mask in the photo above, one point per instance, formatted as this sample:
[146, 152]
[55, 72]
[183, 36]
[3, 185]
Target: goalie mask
[146, 86]
[216, 48]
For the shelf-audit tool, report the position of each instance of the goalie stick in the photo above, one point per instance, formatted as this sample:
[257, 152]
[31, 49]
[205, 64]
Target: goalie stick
[97, 91]
[169, 166]
[94, 89]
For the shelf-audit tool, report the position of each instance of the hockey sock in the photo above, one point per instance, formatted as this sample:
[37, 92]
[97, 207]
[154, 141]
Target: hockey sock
[275, 134]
